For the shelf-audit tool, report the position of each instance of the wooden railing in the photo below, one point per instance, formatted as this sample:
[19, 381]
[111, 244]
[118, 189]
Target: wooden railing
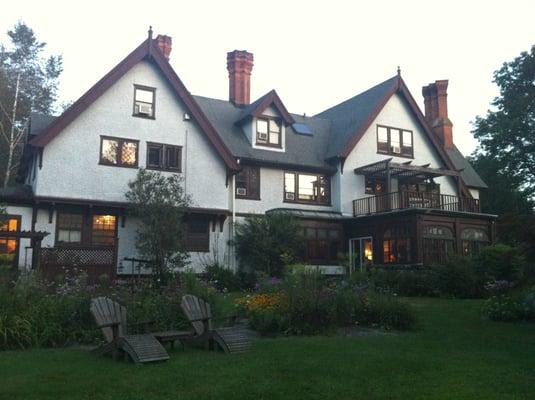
[404, 199]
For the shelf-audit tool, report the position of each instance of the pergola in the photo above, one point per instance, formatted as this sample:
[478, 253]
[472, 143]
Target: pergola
[387, 170]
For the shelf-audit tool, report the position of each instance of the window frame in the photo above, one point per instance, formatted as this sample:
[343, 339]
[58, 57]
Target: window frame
[59, 243]
[316, 245]
[250, 194]
[201, 241]
[149, 89]
[86, 230]
[92, 230]
[296, 199]
[269, 120]
[164, 165]
[119, 153]
[16, 238]
[401, 154]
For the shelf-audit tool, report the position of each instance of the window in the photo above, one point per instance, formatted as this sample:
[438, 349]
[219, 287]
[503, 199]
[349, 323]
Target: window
[268, 132]
[248, 183]
[144, 101]
[69, 228]
[473, 240]
[394, 141]
[103, 230]
[164, 156]
[306, 188]
[323, 243]
[197, 234]
[397, 245]
[375, 185]
[9, 245]
[438, 242]
[119, 152]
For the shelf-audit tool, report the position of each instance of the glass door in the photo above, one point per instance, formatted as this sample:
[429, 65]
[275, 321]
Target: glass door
[360, 253]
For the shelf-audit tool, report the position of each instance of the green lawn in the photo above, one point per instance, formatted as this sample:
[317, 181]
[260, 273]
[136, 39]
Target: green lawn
[453, 354]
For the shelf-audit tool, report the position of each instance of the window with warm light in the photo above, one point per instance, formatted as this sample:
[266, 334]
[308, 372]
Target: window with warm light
[9, 245]
[118, 152]
[103, 230]
[397, 245]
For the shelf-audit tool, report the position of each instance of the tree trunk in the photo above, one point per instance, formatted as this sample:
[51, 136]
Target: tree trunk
[12, 140]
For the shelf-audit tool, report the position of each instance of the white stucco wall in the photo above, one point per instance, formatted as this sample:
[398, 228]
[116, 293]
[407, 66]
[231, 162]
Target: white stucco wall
[71, 161]
[272, 194]
[396, 114]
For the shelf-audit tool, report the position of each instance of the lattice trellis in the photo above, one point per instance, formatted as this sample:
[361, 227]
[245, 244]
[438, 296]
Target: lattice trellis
[77, 257]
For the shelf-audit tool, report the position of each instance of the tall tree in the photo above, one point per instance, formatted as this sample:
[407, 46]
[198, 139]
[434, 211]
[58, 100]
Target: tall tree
[507, 132]
[28, 82]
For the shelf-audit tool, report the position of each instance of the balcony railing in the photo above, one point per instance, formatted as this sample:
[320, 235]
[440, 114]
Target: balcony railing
[404, 200]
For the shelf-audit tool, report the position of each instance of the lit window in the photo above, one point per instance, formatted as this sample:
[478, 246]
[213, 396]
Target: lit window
[144, 101]
[9, 245]
[103, 230]
[119, 152]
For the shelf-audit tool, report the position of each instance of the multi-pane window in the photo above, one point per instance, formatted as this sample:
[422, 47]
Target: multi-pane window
[394, 141]
[103, 230]
[69, 228]
[473, 240]
[197, 234]
[322, 244]
[438, 242]
[144, 101]
[164, 156]
[306, 188]
[268, 132]
[119, 152]
[397, 245]
[248, 183]
[9, 245]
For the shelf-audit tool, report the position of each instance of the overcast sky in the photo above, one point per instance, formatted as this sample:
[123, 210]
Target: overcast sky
[315, 54]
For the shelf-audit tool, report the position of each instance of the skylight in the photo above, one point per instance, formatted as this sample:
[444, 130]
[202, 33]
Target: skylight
[302, 129]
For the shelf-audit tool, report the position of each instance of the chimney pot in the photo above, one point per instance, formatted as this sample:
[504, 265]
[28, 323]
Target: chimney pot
[165, 45]
[239, 65]
[436, 111]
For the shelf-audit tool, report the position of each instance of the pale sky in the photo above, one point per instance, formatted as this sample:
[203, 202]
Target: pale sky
[314, 53]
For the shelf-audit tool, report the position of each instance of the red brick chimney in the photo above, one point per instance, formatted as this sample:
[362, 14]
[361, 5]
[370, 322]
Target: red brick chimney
[165, 44]
[239, 65]
[436, 111]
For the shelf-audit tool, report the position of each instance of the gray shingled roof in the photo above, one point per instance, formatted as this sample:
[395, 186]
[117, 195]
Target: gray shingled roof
[301, 150]
[38, 122]
[468, 173]
[348, 116]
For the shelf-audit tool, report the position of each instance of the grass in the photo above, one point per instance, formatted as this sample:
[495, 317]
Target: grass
[454, 354]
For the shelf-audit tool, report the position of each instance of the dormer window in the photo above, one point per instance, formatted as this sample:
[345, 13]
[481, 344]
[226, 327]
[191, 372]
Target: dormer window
[144, 101]
[268, 132]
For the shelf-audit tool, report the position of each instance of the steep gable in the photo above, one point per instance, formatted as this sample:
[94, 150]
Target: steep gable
[148, 50]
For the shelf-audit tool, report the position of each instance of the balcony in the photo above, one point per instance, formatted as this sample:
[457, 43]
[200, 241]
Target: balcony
[406, 200]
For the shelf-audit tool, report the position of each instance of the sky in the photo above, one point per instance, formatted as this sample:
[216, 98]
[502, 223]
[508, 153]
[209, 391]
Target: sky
[314, 53]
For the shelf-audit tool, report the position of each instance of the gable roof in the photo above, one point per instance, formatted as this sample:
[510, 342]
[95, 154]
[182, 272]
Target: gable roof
[301, 151]
[468, 173]
[256, 108]
[352, 118]
[148, 50]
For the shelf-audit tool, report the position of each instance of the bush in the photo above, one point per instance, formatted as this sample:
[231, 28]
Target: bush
[223, 279]
[309, 303]
[511, 308]
[268, 243]
[458, 278]
[498, 262]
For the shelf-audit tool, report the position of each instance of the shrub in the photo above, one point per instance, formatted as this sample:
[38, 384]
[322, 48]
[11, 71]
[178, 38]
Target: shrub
[502, 308]
[223, 279]
[268, 243]
[458, 278]
[498, 262]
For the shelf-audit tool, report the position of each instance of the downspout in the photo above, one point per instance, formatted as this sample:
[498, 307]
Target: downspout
[186, 162]
[233, 222]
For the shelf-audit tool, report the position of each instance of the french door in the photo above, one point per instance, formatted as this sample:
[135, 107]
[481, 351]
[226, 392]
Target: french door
[360, 253]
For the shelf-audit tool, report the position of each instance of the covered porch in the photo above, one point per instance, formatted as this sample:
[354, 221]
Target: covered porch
[416, 189]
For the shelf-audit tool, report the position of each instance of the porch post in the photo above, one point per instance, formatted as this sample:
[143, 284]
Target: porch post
[388, 186]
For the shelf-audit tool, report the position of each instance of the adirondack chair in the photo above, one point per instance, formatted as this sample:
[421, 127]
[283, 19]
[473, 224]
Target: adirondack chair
[110, 317]
[230, 339]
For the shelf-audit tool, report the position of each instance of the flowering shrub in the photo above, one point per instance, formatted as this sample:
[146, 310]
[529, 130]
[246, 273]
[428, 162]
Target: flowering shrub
[507, 308]
[308, 303]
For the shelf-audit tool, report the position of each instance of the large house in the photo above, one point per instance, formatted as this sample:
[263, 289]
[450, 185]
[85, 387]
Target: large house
[371, 176]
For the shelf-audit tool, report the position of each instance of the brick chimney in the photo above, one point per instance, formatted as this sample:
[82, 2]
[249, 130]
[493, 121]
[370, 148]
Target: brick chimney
[165, 44]
[239, 65]
[436, 111]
